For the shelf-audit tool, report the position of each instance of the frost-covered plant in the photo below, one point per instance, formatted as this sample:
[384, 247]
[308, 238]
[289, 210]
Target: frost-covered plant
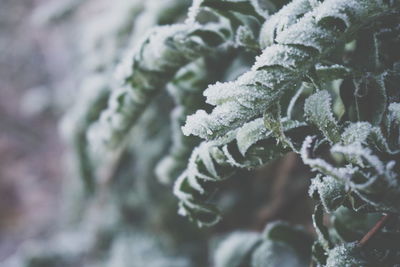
[337, 52]
[250, 80]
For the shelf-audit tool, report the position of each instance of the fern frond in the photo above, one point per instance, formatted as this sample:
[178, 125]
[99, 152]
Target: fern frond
[186, 89]
[246, 148]
[282, 66]
[161, 54]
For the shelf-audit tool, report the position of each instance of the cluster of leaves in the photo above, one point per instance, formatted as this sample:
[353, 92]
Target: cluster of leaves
[319, 78]
[314, 56]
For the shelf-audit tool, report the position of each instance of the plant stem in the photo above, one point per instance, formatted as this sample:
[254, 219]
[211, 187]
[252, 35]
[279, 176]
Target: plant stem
[375, 229]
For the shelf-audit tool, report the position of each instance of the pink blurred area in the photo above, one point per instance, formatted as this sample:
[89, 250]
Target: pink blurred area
[35, 62]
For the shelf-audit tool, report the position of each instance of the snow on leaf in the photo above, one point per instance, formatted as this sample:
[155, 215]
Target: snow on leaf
[317, 109]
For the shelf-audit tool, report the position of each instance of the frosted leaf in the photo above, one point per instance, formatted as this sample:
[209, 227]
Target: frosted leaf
[192, 125]
[365, 133]
[202, 167]
[281, 55]
[349, 12]
[230, 159]
[356, 132]
[348, 254]
[323, 235]
[327, 73]
[368, 176]
[393, 126]
[317, 39]
[235, 250]
[220, 93]
[356, 149]
[179, 187]
[285, 17]
[204, 215]
[186, 89]
[294, 101]
[317, 109]
[342, 13]
[331, 191]
[211, 125]
[204, 156]
[320, 164]
[273, 122]
[157, 54]
[193, 11]
[242, 104]
[394, 110]
[274, 79]
[217, 159]
[253, 137]
[245, 38]
[379, 142]
[250, 133]
[339, 13]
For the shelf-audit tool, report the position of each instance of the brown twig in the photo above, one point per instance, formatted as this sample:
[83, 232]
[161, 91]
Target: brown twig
[375, 229]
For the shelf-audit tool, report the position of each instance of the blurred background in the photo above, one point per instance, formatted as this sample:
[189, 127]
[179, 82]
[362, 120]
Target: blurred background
[36, 71]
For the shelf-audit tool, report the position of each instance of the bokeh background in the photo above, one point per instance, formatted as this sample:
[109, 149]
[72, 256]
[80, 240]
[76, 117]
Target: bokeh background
[35, 68]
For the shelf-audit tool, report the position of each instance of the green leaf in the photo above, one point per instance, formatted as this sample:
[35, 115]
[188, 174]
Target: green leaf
[351, 226]
[319, 254]
[250, 134]
[393, 126]
[236, 249]
[371, 99]
[326, 73]
[331, 191]
[322, 231]
[346, 255]
[293, 236]
[318, 111]
[284, 18]
[283, 245]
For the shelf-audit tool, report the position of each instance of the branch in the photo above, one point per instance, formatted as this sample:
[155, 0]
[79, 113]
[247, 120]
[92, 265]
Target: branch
[379, 225]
